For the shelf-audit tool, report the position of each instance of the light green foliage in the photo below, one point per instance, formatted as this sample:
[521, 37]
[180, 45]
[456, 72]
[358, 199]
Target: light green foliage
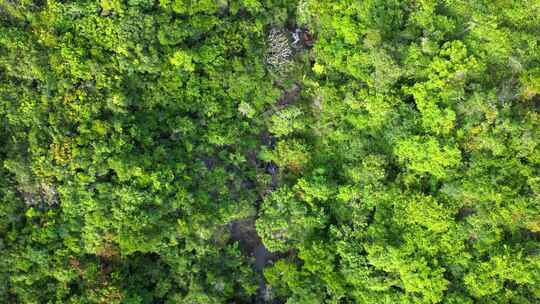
[287, 220]
[139, 137]
[183, 60]
[425, 155]
[420, 155]
[286, 121]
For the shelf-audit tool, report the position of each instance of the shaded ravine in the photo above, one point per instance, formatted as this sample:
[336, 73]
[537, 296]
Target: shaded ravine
[244, 232]
[262, 257]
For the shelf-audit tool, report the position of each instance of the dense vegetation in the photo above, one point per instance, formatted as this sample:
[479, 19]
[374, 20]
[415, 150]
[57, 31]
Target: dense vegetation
[384, 151]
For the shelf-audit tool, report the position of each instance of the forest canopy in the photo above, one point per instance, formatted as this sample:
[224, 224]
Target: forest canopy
[269, 151]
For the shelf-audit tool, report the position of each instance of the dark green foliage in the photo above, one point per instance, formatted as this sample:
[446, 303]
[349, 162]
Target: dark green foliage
[129, 113]
[388, 150]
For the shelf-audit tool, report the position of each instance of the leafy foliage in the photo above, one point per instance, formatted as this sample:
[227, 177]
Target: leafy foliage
[388, 150]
